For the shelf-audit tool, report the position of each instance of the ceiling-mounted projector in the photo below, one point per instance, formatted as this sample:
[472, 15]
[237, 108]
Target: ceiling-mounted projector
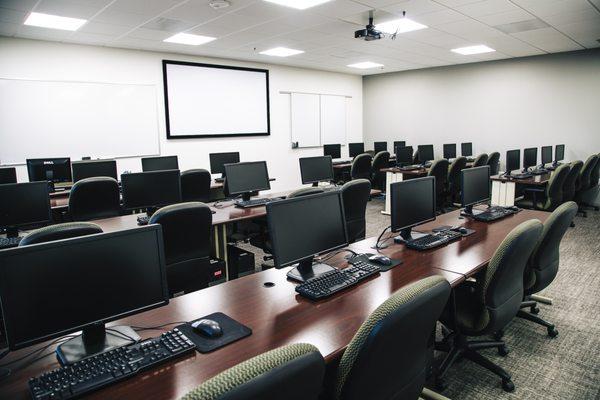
[369, 33]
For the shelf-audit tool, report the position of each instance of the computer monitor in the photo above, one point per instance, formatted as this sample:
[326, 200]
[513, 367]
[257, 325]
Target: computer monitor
[82, 284]
[425, 152]
[529, 158]
[559, 153]
[24, 205]
[247, 177]
[355, 149]
[159, 163]
[90, 169]
[513, 161]
[304, 227]
[450, 151]
[8, 175]
[546, 155]
[53, 170]
[316, 169]
[398, 144]
[412, 204]
[218, 161]
[466, 149]
[404, 155]
[475, 187]
[151, 190]
[379, 146]
[333, 150]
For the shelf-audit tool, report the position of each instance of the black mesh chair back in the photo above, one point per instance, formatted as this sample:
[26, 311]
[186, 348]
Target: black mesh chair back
[361, 167]
[355, 195]
[494, 163]
[60, 231]
[195, 185]
[94, 198]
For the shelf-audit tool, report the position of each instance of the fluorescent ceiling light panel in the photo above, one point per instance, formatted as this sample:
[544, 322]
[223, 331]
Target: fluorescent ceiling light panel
[467, 51]
[188, 38]
[299, 4]
[401, 25]
[365, 65]
[54, 21]
[281, 52]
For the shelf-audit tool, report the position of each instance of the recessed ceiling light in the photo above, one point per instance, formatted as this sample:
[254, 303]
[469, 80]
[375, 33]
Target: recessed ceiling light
[188, 38]
[467, 51]
[365, 65]
[54, 21]
[281, 52]
[299, 4]
[399, 26]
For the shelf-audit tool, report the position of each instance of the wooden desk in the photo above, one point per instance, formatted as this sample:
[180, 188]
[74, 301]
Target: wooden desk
[504, 188]
[393, 175]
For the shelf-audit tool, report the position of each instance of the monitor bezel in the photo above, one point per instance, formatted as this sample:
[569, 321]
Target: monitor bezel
[462, 180]
[123, 189]
[89, 162]
[394, 201]
[32, 223]
[150, 159]
[268, 181]
[212, 161]
[302, 172]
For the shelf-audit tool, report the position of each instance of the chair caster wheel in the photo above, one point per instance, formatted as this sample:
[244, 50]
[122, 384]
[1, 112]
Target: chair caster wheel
[498, 335]
[503, 351]
[534, 310]
[440, 385]
[508, 385]
[552, 331]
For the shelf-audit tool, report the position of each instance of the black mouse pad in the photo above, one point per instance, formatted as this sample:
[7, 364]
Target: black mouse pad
[232, 331]
[468, 232]
[382, 268]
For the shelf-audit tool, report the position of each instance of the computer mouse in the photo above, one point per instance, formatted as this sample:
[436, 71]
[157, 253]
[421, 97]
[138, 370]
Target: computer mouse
[380, 259]
[207, 328]
[462, 230]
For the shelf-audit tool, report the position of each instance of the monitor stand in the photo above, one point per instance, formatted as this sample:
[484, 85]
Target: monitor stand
[221, 178]
[94, 339]
[306, 270]
[408, 235]
[469, 211]
[12, 232]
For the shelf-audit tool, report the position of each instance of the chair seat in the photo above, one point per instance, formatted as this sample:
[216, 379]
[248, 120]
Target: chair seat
[471, 316]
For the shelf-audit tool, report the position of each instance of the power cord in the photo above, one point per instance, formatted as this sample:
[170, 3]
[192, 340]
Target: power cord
[379, 245]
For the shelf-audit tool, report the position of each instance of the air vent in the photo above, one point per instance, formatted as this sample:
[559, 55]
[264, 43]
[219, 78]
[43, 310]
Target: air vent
[522, 26]
[219, 4]
[167, 25]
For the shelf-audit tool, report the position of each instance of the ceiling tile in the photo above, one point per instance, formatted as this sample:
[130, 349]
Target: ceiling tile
[114, 17]
[487, 7]
[144, 7]
[573, 17]
[439, 17]
[13, 16]
[548, 39]
[340, 8]
[543, 8]
[508, 17]
[415, 7]
[20, 5]
[8, 28]
[103, 29]
[71, 8]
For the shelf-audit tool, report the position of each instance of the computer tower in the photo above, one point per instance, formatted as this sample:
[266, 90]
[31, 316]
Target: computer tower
[216, 272]
[240, 261]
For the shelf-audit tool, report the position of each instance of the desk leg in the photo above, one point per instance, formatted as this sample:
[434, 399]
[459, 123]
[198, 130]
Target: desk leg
[220, 244]
[503, 193]
[390, 177]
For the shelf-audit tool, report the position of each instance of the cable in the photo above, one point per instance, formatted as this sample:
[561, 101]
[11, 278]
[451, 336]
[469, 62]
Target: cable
[333, 254]
[156, 327]
[115, 332]
[217, 204]
[380, 245]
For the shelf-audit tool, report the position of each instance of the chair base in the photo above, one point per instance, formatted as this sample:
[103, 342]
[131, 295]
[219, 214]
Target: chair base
[541, 299]
[552, 331]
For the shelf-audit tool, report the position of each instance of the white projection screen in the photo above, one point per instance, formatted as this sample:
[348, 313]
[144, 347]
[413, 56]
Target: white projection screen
[205, 100]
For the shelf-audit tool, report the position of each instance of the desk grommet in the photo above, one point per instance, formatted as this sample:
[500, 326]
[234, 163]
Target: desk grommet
[268, 284]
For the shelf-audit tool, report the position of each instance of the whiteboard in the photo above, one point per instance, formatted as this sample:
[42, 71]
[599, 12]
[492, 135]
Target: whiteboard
[333, 119]
[306, 124]
[40, 119]
[205, 100]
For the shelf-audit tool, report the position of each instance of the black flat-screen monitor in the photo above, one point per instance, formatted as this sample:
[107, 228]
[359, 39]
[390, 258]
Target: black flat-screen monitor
[546, 155]
[466, 149]
[379, 146]
[306, 226]
[404, 155]
[151, 189]
[52, 289]
[333, 150]
[159, 163]
[513, 160]
[55, 170]
[530, 157]
[8, 175]
[425, 152]
[247, 177]
[412, 204]
[559, 152]
[355, 149]
[398, 144]
[475, 187]
[450, 151]
[24, 204]
[316, 169]
[91, 169]
[218, 161]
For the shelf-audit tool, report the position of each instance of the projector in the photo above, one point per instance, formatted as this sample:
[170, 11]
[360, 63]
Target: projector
[369, 33]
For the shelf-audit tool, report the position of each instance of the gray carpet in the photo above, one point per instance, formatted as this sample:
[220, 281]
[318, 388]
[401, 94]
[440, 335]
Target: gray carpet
[566, 367]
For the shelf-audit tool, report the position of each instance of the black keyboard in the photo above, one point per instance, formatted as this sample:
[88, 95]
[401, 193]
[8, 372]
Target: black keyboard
[143, 220]
[524, 175]
[219, 180]
[540, 171]
[107, 368]
[256, 202]
[493, 214]
[339, 162]
[336, 280]
[7, 243]
[410, 167]
[433, 240]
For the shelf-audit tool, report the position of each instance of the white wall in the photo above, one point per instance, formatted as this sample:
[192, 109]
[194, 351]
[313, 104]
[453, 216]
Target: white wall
[503, 105]
[30, 59]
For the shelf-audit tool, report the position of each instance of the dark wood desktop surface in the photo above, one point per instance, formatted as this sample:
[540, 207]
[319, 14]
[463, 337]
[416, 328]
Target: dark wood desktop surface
[537, 180]
[278, 316]
[415, 173]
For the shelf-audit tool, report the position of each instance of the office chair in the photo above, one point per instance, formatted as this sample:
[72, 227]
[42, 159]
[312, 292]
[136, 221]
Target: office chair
[381, 160]
[361, 167]
[570, 184]
[457, 165]
[494, 163]
[439, 170]
[186, 235]
[489, 304]
[195, 185]
[355, 195]
[481, 160]
[584, 184]
[60, 231]
[551, 195]
[293, 372]
[542, 266]
[416, 158]
[94, 198]
[388, 356]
